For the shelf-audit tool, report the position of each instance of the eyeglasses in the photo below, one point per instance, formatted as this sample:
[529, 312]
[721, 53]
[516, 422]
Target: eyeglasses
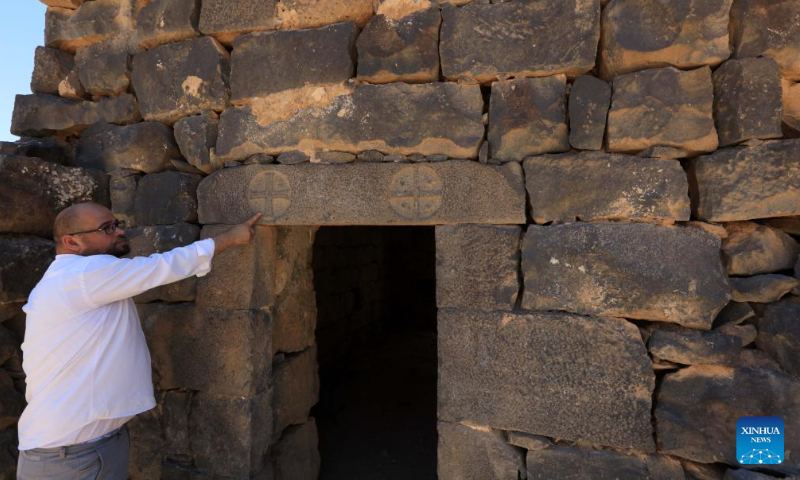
[108, 229]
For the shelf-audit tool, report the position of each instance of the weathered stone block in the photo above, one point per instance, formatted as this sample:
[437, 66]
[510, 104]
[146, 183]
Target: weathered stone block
[50, 67]
[579, 463]
[527, 116]
[196, 80]
[147, 445]
[196, 136]
[175, 418]
[165, 198]
[477, 267]
[400, 48]
[295, 389]
[225, 352]
[242, 277]
[23, 261]
[44, 115]
[365, 194]
[611, 187]
[552, 374]
[734, 313]
[297, 14]
[49, 149]
[476, 453]
[268, 63]
[779, 335]
[768, 28]
[230, 435]
[145, 241]
[685, 428]
[663, 107]
[648, 272]
[790, 95]
[72, 88]
[529, 441]
[294, 317]
[752, 248]
[95, 21]
[33, 191]
[147, 147]
[589, 100]
[226, 19]
[437, 118]
[743, 474]
[765, 288]
[104, 68]
[639, 34]
[690, 347]
[520, 39]
[748, 182]
[167, 21]
[122, 192]
[63, 3]
[295, 456]
[747, 100]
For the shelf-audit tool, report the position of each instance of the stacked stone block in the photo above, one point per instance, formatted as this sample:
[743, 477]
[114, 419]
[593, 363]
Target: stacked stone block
[615, 187]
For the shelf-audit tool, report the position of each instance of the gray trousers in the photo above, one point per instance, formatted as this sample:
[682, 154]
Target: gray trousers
[105, 459]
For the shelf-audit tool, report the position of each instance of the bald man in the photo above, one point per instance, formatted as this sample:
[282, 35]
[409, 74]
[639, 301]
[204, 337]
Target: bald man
[84, 354]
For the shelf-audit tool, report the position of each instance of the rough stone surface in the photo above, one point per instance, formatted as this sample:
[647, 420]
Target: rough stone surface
[23, 261]
[592, 379]
[640, 34]
[223, 352]
[230, 435]
[365, 194]
[297, 14]
[41, 115]
[165, 198]
[747, 100]
[527, 116]
[33, 191]
[743, 474]
[73, 4]
[605, 186]
[196, 80]
[122, 193]
[690, 347]
[226, 19]
[790, 94]
[147, 147]
[243, 276]
[92, 22]
[752, 248]
[145, 241]
[522, 39]
[585, 463]
[734, 313]
[768, 28]
[167, 21]
[295, 456]
[529, 441]
[477, 267]
[48, 149]
[72, 88]
[476, 453]
[662, 107]
[790, 225]
[747, 182]
[295, 389]
[589, 100]
[196, 136]
[50, 68]
[271, 62]
[294, 317]
[762, 288]
[648, 272]
[105, 68]
[404, 49]
[779, 335]
[437, 118]
[685, 428]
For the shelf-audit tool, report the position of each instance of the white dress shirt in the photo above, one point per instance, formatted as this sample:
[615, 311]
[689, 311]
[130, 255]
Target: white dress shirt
[84, 354]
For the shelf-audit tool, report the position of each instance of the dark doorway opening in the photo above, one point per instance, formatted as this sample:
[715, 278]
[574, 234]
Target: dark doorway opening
[376, 335]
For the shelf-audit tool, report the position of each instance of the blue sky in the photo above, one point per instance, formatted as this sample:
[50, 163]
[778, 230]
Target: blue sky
[21, 31]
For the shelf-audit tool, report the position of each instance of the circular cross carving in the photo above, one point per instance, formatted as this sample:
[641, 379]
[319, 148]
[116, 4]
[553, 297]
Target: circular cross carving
[415, 192]
[270, 193]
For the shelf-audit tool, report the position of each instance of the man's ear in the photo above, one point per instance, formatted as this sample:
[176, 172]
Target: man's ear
[70, 244]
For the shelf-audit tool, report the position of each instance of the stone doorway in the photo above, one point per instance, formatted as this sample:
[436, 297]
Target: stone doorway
[376, 340]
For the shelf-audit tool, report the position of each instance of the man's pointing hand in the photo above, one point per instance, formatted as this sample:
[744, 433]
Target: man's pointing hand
[241, 234]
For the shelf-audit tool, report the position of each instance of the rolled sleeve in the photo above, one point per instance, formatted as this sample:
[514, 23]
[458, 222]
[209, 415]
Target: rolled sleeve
[205, 251]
